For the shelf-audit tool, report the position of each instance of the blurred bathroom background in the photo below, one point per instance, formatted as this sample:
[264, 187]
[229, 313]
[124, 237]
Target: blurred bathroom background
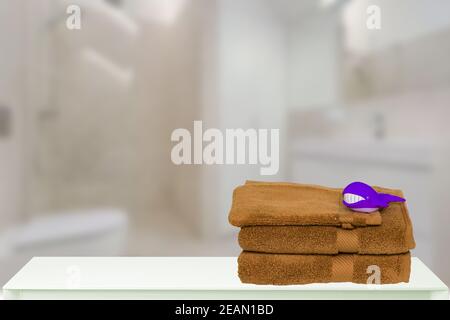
[86, 116]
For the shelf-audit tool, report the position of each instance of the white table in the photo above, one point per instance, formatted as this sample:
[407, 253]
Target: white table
[189, 278]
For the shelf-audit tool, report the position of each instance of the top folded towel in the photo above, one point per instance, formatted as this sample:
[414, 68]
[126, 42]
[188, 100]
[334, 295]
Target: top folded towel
[281, 204]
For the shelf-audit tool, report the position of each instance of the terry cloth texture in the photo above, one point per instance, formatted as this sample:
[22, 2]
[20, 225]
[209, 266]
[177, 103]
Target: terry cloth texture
[297, 234]
[285, 269]
[283, 204]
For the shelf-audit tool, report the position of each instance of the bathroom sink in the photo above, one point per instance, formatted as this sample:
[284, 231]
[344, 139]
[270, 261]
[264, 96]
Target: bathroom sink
[405, 153]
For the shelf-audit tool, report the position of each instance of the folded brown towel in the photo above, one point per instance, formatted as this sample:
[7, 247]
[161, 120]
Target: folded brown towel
[393, 236]
[285, 269]
[282, 204]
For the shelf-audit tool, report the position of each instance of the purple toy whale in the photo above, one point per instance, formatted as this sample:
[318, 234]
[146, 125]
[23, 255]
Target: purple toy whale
[361, 197]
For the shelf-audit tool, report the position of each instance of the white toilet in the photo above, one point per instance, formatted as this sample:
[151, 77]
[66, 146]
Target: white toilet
[91, 232]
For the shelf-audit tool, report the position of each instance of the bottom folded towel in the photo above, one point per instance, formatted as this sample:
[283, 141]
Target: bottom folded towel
[285, 269]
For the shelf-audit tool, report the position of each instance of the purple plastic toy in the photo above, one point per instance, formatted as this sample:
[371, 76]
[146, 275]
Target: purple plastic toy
[361, 197]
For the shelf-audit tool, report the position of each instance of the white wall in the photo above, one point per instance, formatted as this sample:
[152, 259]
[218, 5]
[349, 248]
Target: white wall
[183, 73]
[248, 72]
[401, 21]
[314, 48]
[12, 48]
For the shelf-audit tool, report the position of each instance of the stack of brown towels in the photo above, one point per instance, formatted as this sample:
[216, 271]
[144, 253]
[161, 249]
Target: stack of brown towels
[297, 234]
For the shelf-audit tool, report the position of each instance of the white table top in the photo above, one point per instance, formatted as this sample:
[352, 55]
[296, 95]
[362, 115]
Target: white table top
[189, 278]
